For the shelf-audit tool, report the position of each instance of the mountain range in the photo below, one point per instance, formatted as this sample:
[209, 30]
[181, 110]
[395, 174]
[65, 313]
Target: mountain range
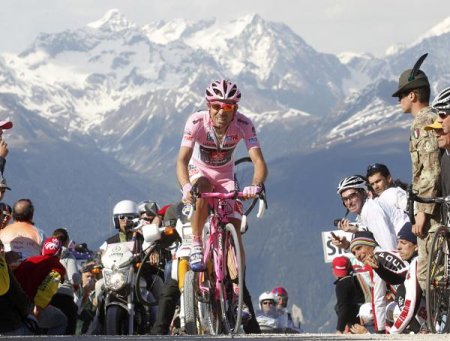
[99, 111]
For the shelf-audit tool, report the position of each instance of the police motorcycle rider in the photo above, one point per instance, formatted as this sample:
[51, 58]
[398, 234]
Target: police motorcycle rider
[125, 217]
[267, 315]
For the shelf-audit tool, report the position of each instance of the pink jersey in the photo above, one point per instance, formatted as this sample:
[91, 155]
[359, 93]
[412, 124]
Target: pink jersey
[211, 158]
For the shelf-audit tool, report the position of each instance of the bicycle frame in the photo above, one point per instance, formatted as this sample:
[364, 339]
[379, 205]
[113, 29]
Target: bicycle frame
[217, 239]
[216, 258]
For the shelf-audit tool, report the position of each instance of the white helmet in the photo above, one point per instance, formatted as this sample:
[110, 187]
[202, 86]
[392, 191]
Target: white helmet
[366, 312]
[223, 90]
[442, 101]
[265, 296]
[354, 181]
[124, 207]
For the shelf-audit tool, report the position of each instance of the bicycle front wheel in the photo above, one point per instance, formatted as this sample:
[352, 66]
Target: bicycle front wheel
[190, 303]
[235, 270]
[437, 290]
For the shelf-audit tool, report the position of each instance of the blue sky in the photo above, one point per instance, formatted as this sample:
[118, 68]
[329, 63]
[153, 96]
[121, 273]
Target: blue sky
[327, 25]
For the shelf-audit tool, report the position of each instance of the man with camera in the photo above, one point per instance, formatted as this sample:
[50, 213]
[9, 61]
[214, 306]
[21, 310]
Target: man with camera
[372, 215]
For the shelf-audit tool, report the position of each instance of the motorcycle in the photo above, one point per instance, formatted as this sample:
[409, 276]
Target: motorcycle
[129, 302]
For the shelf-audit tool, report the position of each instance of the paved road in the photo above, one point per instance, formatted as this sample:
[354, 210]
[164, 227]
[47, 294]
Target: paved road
[272, 337]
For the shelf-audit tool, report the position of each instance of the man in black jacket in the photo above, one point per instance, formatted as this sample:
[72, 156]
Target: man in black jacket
[349, 295]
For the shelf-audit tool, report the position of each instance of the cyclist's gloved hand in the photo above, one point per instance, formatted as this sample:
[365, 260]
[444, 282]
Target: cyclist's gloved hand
[186, 191]
[251, 191]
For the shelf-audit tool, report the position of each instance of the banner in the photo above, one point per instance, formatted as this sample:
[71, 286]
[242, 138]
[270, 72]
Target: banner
[331, 251]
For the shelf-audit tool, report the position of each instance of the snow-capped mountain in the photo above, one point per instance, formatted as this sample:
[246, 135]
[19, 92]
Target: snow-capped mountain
[99, 112]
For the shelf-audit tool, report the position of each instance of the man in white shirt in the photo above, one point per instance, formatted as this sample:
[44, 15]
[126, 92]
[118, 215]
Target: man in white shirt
[372, 215]
[380, 179]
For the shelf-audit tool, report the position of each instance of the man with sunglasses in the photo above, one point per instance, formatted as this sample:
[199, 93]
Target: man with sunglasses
[441, 128]
[414, 95]
[372, 215]
[205, 159]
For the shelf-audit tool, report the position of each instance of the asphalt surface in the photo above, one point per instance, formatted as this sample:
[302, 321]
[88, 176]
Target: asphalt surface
[234, 337]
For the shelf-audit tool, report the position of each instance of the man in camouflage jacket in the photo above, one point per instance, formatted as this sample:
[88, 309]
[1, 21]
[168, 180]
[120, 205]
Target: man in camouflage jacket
[414, 95]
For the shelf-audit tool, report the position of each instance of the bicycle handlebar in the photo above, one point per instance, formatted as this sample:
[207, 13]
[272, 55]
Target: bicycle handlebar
[412, 197]
[262, 203]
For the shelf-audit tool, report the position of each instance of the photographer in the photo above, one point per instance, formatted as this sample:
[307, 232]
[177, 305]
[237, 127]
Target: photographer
[86, 309]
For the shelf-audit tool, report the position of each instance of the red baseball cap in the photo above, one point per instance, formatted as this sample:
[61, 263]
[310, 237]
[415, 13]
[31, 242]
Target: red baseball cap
[341, 266]
[6, 124]
[51, 247]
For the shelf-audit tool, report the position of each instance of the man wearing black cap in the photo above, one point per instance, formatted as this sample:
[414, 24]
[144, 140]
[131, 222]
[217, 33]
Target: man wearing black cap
[414, 95]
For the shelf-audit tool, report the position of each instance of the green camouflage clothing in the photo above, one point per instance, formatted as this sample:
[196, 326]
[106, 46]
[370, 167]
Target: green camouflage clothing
[425, 160]
[425, 178]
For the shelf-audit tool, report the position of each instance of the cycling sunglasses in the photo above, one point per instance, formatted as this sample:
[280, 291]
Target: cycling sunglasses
[128, 217]
[224, 106]
[443, 114]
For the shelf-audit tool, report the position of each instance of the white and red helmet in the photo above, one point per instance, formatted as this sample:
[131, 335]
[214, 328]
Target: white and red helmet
[223, 90]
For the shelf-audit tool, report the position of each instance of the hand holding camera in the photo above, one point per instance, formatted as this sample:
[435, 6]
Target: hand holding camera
[345, 225]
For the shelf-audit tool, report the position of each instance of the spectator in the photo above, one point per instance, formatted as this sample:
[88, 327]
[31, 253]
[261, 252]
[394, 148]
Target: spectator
[39, 277]
[3, 186]
[86, 309]
[442, 129]
[409, 294]
[5, 215]
[365, 325]
[3, 145]
[170, 293]
[22, 237]
[349, 295]
[14, 304]
[371, 214]
[414, 95]
[381, 182]
[366, 250]
[64, 298]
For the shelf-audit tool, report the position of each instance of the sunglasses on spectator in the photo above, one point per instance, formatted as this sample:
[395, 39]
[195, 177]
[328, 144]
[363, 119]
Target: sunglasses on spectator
[224, 106]
[349, 197]
[443, 114]
[128, 217]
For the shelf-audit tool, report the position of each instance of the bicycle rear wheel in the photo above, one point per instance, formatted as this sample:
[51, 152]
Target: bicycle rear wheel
[437, 290]
[235, 274]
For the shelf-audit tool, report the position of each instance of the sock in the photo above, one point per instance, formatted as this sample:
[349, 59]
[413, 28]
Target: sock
[197, 240]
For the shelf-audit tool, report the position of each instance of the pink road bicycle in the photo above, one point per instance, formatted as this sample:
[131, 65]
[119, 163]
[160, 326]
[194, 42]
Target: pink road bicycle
[220, 288]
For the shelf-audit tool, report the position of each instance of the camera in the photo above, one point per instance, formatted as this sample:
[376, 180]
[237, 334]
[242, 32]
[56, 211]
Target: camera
[336, 221]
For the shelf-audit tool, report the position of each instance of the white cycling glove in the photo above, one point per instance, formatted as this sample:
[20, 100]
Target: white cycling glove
[186, 189]
[251, 191]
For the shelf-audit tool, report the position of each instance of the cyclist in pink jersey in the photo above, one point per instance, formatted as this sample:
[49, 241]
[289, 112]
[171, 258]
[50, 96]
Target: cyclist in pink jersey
[206, 157]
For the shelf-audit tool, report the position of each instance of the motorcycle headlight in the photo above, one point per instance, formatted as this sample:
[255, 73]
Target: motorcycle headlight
[116, 279]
